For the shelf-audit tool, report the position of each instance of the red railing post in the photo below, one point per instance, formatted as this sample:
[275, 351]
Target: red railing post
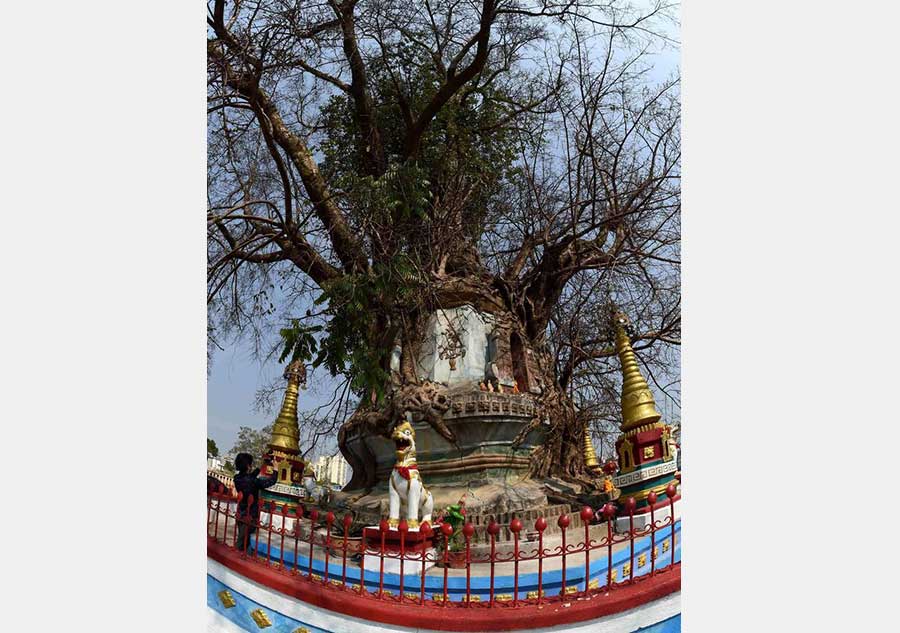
[651, 499]
[362, 564]
[609, 511]
[236, 519]
[563, 523]
[284, 510]
[329, 521]
[271, 506]
[403, 528]
[210, 495]
[493, 530]
[347, 521]
[515, 526]
[427, 533]
[298, 516]
[248, 520]
[223, 499]
[630, 505]
[670, 493]
[540, 525]
[384, 528]
[313, 518]
[586, 515]
[216, 527]
[468, 531]
[446, 530]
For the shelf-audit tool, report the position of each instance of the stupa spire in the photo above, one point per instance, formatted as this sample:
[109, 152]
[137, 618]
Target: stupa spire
[638, 405]
[590, 456]
[286, 430]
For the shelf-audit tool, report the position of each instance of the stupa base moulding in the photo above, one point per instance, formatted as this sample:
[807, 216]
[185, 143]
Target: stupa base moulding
[660, 515]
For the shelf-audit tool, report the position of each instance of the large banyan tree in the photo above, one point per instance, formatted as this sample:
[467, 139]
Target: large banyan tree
[373, 161]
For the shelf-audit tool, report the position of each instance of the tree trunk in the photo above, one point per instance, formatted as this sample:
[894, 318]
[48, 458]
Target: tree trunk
[521, 357]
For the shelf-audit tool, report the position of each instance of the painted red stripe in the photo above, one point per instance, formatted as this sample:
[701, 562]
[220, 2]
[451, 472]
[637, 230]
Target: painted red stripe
[436, 617]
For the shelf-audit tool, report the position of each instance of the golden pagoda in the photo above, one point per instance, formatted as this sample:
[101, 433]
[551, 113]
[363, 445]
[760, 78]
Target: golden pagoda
[645, 456]
[285, 443]
[590, 456]
[638, 406]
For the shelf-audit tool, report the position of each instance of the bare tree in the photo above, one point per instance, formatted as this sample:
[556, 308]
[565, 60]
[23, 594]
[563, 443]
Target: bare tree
[372, 161]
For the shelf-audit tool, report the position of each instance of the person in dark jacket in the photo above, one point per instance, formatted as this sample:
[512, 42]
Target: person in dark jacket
[248, 482]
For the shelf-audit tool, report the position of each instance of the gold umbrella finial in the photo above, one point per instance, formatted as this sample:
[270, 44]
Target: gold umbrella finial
[638, 406]
[590, 456]
[286, 430]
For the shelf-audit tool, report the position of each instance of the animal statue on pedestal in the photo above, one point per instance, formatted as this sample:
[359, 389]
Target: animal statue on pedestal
[405, 485]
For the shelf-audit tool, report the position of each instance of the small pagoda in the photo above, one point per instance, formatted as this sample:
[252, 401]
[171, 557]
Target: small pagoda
[284, 449]
[646, 446]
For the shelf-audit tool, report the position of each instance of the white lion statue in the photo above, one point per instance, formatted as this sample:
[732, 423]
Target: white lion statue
[405, 485]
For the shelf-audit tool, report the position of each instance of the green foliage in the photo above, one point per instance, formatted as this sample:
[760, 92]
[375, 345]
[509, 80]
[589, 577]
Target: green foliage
[211, 449]
[253, 441]
[465, 152]
[349, 342]
[467, 142]
[299, 342]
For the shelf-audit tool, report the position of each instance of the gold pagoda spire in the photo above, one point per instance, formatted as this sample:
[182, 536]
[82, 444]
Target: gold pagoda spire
[286, 430]
[590, 456]
[638, 406]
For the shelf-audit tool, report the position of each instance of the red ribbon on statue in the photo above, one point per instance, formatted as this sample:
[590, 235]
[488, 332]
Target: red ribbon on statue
[404, 470]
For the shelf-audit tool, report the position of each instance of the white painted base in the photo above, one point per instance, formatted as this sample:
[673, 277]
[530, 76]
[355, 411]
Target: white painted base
[624, 622]
[643, 520]
[277, 519]
[392, 565]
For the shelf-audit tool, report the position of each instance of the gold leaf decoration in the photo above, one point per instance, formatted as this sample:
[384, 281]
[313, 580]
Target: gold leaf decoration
[226, 599]
[259, 616]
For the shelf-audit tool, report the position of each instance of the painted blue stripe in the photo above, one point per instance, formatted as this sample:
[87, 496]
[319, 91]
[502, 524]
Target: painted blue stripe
[480, 585]
[239, 614]
[671, 625]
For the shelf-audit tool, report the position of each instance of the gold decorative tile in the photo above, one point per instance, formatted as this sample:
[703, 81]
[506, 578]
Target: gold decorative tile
[354, 587]
[410, 595]
[226, 599]
[612, 575]
[655, 552]
[507, 597]
[474, 598]
[301, 629]
[317, 577]
[572, 589]
[626, 570]
[666, 545]
[648, 452]
[387, 592]
[595, 583]
[642, 560]
[437, 597]
[336, 582]
[531, 595]
[259, 616]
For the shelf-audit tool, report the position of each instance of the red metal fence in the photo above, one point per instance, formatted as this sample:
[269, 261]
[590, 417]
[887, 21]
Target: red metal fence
[315, 547]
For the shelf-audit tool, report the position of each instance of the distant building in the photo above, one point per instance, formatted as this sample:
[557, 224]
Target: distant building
[332, 470]
[214, 463]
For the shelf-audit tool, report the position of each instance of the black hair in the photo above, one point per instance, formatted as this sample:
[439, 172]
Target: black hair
[243, 462]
